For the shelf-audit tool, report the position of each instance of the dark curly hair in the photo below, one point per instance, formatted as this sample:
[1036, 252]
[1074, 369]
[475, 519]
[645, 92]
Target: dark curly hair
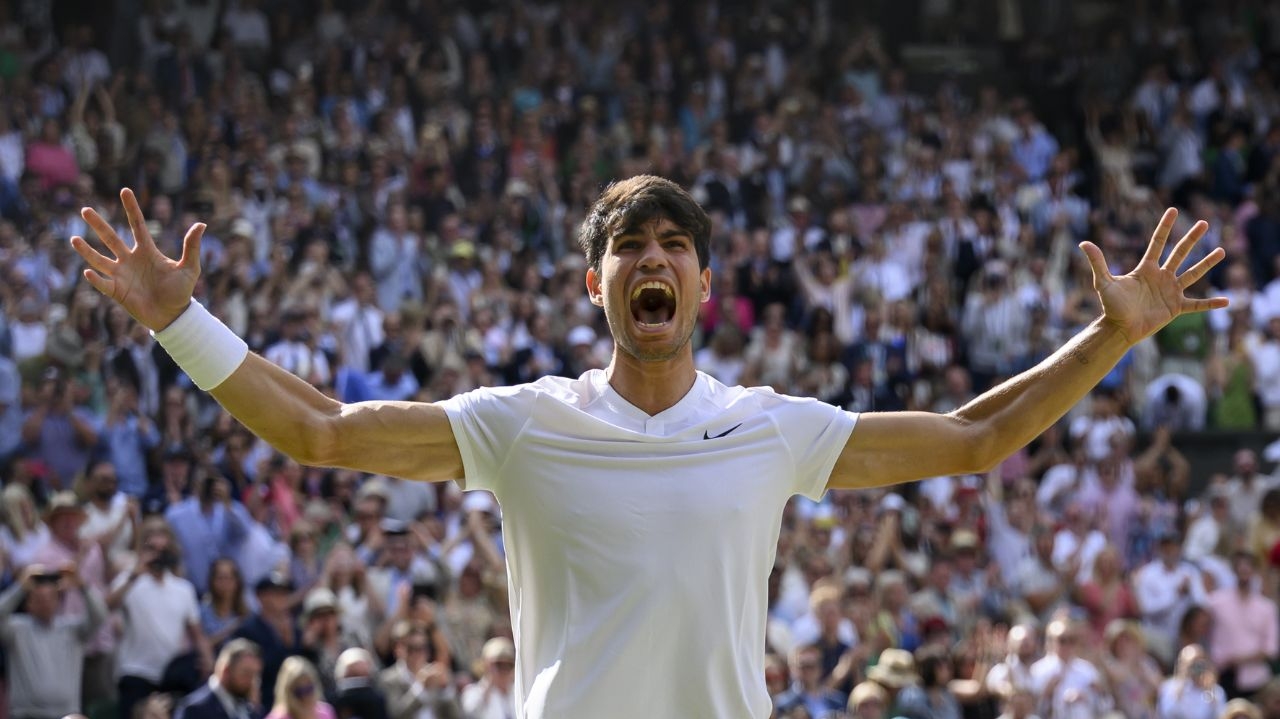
[627, 204]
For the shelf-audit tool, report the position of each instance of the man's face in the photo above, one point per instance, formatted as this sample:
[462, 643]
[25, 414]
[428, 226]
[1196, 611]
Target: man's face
[42, 601]
[274, 600]
[650, 286]
[399, 554]
[104, 481]
[66, 527]
[240, 675]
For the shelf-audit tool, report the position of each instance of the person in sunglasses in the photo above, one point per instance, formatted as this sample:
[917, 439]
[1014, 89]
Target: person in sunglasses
[298, 693]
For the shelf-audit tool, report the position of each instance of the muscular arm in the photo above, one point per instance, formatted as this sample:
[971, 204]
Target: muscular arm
[892, 447]
[412, 440]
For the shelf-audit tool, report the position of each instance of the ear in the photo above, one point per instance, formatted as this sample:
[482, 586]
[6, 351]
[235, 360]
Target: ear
[705, 280]
[593, 288]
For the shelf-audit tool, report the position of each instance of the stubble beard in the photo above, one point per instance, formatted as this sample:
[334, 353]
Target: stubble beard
[625, 343]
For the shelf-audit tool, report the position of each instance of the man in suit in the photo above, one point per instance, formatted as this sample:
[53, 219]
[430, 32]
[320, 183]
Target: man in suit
[233, 692]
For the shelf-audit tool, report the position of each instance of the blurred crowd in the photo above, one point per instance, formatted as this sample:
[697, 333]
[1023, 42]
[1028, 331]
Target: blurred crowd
[393, 189]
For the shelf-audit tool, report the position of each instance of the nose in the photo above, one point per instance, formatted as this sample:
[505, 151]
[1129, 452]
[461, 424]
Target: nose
[653, 256]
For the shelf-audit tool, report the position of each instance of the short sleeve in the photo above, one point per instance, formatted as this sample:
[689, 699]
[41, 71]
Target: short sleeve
[815, 433]
[192, 611]
[486, 422]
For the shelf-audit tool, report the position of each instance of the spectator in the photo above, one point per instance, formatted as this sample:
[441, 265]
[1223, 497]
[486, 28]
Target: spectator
[64, 518]
[273, 629]
[1068, 685]
[1165, 589]
[161, 620]
[1246, 487]
[232, 692]
[45, 651]
[895, 672]
[58, 430]
[224, 609]
[1133, 676]
[868, 701]
[419, 683]
[298, 693]
[1014, 671]
[208, 524]
[492, 697]
[129, 436]
[23, 531]
[1193, 691]
[808, 689]
[357, 696]
[1106, 597]
[1245, 637]
[322, 635]
[111, 517]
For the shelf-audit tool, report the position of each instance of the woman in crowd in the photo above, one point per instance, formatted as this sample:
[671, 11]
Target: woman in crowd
[298, 693]
[224, 607]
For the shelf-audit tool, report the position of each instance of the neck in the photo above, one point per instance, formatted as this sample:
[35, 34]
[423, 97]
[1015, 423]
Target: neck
[652, 386]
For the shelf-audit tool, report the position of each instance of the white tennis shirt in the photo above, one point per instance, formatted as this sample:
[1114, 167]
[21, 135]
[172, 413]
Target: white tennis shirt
[639, 548]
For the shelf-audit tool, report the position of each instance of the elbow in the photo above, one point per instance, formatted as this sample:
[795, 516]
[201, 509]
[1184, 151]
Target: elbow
[317, 443]
[978, 446]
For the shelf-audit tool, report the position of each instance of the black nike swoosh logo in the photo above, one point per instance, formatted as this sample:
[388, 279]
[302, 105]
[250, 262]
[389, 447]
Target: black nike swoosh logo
[718, 436]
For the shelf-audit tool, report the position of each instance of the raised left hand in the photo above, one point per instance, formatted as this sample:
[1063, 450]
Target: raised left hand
[1152, 294]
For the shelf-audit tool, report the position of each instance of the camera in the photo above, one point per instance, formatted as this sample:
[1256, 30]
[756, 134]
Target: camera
[423, 589]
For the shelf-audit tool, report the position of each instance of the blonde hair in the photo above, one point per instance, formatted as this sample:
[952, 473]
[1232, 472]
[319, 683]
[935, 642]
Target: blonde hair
[293, 669]
[13, 497]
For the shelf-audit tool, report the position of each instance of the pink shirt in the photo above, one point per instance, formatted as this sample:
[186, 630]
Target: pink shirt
[1244, 625]
[53, 554]
[323, 711]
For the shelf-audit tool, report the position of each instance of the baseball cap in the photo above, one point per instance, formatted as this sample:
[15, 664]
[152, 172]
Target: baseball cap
[274, 580]
[498, 648]
[320, 599]
[581, 335]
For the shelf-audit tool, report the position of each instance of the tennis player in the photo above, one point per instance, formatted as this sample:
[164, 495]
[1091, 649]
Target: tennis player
[642, 502]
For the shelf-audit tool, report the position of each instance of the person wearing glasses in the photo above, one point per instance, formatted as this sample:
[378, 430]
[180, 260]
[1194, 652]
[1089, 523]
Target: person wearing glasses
[420, 684]
[297, 694]
[491, 698]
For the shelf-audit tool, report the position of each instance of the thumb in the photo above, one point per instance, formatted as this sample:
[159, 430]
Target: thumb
[1097, 262]
[191, 247]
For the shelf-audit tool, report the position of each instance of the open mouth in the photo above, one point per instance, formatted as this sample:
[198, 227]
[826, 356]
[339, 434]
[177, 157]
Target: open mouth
[653, 304]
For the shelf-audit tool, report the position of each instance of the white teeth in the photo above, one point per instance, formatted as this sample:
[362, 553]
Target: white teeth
[652, 285]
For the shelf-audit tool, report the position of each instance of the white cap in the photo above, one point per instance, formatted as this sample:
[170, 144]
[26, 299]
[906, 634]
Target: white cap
[892, 503]
[581, 335]
[479, 502]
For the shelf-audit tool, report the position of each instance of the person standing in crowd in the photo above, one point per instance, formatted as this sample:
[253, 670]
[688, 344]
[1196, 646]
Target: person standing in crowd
[1245, 638]
[1069, 686]
[492, 697]
[298, 694]
[65, 517]
[161, 619]
[208, 524]
[45, 652]
[1165, 589]
[419, 685]
[1193, 691]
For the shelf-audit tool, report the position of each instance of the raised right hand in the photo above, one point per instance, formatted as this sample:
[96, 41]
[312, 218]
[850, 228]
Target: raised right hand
[151, 287]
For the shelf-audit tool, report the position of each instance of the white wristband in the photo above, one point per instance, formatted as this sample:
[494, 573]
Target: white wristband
[207, 350]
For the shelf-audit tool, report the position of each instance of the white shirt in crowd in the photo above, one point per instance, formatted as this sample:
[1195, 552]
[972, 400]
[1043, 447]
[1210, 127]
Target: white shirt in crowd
[1158, 589]
[157, 614]
[1079, 693]
[646, 540]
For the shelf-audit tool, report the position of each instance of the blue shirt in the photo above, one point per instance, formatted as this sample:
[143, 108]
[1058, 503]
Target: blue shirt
[127, 446]
[206, 537]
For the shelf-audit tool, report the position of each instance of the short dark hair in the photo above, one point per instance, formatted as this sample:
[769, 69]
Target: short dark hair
[625, 205]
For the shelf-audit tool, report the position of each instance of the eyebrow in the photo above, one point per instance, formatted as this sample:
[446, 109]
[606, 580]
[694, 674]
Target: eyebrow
[632, 232]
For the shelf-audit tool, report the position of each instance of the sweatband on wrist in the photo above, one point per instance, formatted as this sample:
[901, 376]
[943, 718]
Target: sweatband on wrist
[207, 350]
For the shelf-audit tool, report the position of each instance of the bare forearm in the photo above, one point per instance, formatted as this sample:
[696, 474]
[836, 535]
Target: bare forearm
[1016, 412]
[277, 406]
